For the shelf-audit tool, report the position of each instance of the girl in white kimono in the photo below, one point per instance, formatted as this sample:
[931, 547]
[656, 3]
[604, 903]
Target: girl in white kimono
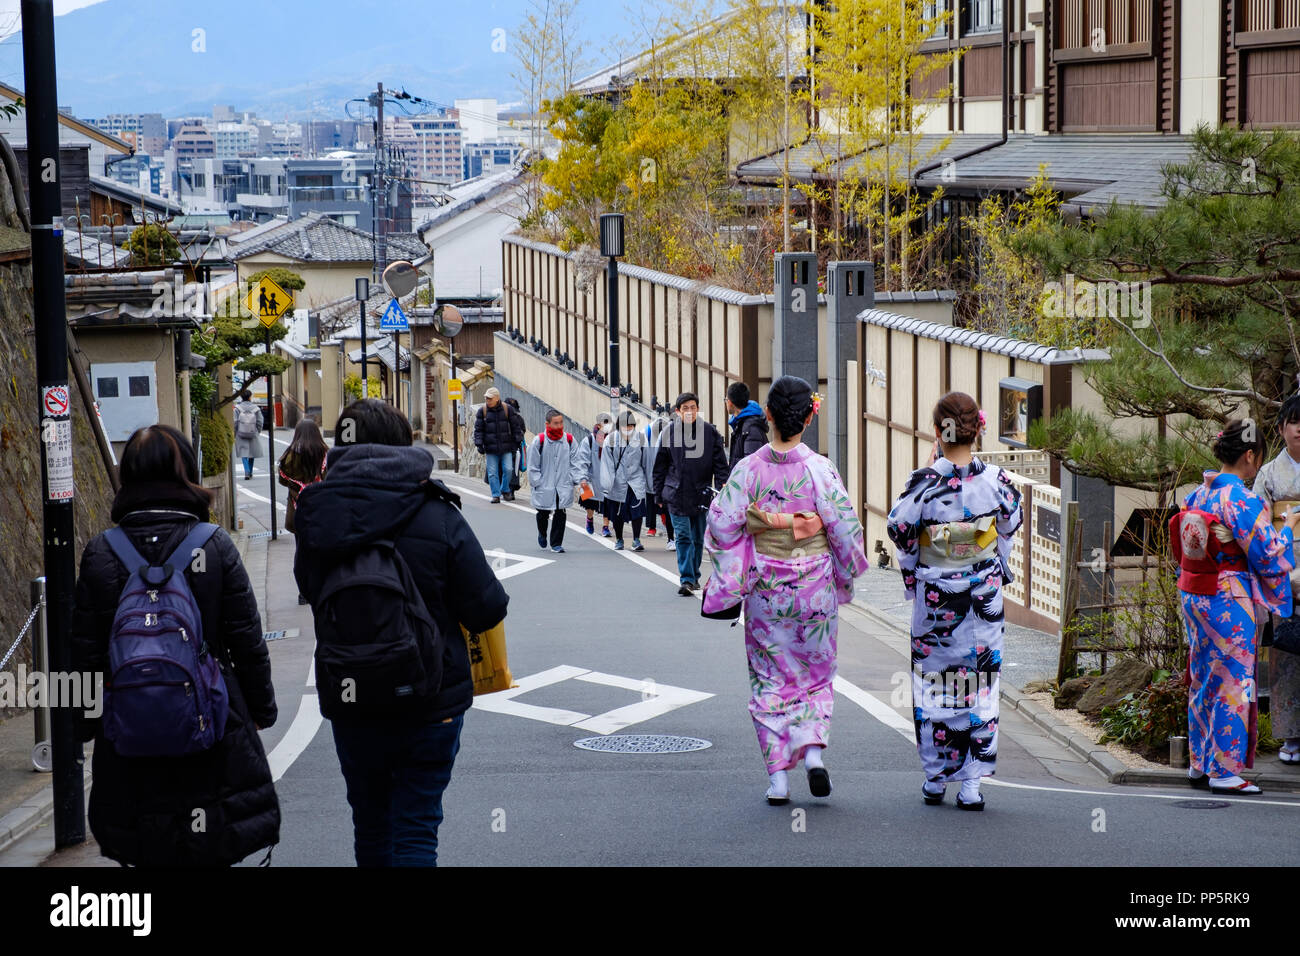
[952, 526]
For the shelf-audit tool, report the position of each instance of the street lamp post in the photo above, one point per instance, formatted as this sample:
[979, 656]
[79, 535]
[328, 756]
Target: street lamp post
[363, 294]
[611, 246]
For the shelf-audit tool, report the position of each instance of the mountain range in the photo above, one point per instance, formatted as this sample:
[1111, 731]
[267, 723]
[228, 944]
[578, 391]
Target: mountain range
[297, 59]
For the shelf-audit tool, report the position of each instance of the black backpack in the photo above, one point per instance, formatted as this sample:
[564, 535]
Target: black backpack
[378, 650]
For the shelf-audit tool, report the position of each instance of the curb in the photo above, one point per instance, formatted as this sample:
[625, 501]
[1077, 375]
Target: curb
[25, 818]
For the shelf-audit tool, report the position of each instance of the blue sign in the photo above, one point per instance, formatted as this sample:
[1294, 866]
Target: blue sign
[394, 319]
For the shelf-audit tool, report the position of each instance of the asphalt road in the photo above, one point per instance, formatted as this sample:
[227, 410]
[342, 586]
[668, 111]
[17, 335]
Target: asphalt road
[601, 643]
[593, 631]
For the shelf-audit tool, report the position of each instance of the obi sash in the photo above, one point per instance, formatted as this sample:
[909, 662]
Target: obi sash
[959, 544]
[1204, 548]
[779, 535]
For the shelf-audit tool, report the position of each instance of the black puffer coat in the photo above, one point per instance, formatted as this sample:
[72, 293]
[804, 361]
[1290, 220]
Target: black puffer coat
[142, 809]
[498, 431]
[384, 491]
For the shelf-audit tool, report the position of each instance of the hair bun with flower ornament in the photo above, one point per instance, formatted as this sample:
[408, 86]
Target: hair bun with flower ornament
[816, 403]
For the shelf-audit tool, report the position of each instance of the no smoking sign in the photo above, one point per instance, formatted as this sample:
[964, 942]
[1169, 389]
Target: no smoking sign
[55, 400]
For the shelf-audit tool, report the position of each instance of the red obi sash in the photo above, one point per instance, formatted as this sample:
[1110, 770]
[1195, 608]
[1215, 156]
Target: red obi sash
[1201, 556]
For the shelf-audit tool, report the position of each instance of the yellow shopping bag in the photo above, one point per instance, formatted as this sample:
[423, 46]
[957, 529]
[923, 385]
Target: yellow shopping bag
[487, 660]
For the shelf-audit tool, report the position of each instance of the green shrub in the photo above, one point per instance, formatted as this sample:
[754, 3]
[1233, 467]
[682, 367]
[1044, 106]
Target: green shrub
[1146, 720]
[218, 440]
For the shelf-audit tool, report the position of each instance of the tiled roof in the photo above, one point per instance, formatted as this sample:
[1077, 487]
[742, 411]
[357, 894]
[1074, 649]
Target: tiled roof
[985, 341]
[1090, 170]
[316, 238]
[88, 252]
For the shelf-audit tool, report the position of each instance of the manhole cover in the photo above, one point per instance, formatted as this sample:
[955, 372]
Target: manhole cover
[642, 744]
[1202, 804]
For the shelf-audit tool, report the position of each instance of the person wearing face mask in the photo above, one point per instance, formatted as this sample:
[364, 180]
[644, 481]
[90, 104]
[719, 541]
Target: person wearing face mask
[691, 462]
[622, 474]
[1231, 563]
[589, 456]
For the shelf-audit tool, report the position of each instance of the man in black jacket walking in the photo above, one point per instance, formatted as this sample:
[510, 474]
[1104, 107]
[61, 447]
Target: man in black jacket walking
[498, 433]
[378, 487]
[691, 462]
[748, 424]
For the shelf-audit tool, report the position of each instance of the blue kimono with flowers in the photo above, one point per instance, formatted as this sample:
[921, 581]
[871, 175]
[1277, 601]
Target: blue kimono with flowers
[957, 621]
[1222, 698]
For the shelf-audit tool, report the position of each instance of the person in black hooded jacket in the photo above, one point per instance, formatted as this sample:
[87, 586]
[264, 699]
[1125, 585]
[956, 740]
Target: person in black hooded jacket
[376, 486]
[143, 809]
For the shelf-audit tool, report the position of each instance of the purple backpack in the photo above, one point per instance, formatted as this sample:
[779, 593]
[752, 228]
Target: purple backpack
[164, 695]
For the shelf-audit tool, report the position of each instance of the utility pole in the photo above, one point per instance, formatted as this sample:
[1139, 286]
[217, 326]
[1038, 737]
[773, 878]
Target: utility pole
[381, 187]
[53, 407]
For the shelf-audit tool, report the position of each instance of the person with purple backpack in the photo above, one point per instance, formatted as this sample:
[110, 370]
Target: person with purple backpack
[166, 612]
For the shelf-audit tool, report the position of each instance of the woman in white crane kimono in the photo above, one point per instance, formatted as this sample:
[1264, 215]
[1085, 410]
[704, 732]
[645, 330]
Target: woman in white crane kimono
[952, 526]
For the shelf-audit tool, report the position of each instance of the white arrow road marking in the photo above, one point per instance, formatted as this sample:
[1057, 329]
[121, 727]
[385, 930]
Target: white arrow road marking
[665, 698]
[522, 563]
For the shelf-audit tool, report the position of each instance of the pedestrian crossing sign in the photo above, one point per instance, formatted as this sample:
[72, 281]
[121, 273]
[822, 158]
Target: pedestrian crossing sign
[394, 319]
[268, 301]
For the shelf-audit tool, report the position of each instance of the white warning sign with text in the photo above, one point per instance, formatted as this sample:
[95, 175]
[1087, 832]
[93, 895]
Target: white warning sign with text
[58, 459]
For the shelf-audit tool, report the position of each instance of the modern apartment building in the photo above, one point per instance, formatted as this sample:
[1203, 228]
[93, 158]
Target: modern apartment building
[233, 140]
[146, 131]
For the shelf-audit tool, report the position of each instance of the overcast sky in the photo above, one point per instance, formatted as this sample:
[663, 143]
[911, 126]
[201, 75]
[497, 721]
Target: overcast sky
[9, 19]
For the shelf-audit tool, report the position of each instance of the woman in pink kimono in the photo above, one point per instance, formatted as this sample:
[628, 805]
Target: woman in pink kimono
[786, 544]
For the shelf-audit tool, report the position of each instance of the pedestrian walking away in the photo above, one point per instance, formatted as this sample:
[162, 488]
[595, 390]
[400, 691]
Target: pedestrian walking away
[177, 743]
[593, 491]
[1232, 563]
[690, 464]
[952, 526]
[248, 429]
[624, 479]
[786, 545]
[748, 423]
[392, 667]
[553, 471]
[1279, 482]
[498, 433]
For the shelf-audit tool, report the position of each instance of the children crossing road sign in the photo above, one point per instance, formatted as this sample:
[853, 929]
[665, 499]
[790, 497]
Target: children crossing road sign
[394, 319]
[268, 301]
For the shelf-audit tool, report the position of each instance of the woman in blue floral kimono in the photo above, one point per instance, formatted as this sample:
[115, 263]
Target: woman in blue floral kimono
[952, 526]
[785, 543]
[1231, 562]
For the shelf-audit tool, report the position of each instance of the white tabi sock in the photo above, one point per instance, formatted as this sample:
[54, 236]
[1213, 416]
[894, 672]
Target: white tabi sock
[780, 784]
[812, 757]
[970, 791]
[934, 787]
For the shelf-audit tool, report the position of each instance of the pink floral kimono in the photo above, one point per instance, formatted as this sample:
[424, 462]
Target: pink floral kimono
[791, 581]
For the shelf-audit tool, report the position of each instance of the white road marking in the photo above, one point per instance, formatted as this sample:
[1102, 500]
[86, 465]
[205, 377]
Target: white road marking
[503, 702]
[301, 733]
[663, 698]
[503, 569]
[244, 491]
[576, 528]
[660, 699]
[876, 707]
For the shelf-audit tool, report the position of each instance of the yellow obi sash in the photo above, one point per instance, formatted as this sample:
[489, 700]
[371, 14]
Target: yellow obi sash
[779, 535]
[959, 543]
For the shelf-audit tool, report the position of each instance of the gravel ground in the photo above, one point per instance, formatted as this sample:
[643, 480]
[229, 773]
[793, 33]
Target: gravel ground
[1083, 725]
